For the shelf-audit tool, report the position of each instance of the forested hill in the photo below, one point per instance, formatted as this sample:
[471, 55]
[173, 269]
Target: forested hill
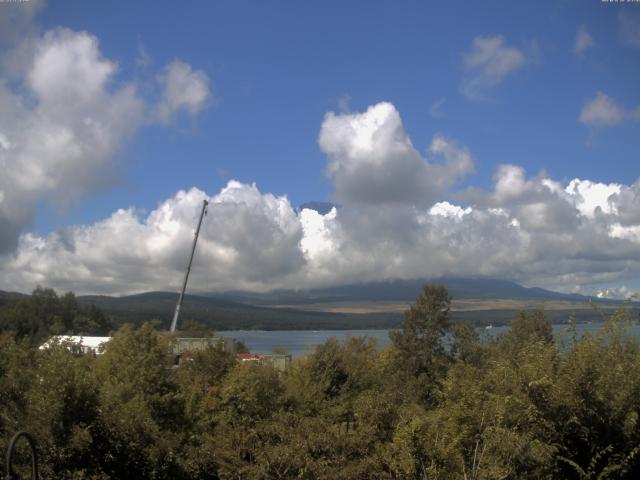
[222, 314]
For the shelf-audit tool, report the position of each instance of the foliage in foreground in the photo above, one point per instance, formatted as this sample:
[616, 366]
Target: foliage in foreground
[524, 405]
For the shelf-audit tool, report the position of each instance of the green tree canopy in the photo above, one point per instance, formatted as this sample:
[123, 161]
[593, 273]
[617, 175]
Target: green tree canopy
[418, 344]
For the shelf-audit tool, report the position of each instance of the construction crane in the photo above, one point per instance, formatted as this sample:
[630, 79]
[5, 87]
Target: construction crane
[174, 322]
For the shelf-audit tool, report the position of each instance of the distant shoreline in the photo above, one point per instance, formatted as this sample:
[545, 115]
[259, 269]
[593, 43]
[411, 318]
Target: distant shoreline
[299, 342]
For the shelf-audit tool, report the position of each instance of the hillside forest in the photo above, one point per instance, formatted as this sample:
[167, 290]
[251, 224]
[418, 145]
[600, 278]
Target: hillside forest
[524, 405]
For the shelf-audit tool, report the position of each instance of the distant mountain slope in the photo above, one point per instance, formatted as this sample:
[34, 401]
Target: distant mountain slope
[224, 314]
[406, 290]
[251, 311]
[7, 297]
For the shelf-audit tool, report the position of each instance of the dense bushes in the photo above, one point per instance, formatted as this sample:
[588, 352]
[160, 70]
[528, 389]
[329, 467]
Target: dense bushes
[521, 406]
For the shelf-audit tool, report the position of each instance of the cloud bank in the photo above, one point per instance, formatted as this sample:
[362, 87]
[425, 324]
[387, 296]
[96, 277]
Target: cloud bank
[396, 219]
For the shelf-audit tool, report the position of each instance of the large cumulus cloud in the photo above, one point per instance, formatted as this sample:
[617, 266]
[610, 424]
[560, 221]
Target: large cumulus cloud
[373, 161]
[248, 240]
[534, 230]
[396, 219]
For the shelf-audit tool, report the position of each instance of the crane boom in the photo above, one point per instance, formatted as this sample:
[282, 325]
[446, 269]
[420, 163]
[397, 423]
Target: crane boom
[174, 322]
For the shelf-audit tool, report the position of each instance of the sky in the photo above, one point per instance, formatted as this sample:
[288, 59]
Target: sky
[499, 140]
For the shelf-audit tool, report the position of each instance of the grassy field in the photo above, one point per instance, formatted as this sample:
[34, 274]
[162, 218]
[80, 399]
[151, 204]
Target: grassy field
[466, 305]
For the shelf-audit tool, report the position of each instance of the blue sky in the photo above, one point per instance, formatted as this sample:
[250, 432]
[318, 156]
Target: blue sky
[275, 69]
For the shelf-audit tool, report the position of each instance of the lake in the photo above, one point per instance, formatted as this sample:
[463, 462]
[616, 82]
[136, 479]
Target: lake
[299, 342]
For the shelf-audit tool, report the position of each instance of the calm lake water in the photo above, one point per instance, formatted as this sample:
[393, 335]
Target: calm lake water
[299, 342]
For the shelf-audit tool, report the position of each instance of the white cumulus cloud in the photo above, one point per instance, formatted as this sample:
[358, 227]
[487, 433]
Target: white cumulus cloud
[592, 197]
[64, 118]
[69, 69]
[618, 293]
[446, 209]
[247, 241]
[532, 229]
[183, 89]
[373, 161]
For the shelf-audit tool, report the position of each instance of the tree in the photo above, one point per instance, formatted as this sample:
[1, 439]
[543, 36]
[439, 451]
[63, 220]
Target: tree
[141, 412]
[17, 362]
[45, 313]
[195, 329]
[33, 317]
[62, 408]
[417, 345]
[526, 328]
[90, 320]
[466, 343]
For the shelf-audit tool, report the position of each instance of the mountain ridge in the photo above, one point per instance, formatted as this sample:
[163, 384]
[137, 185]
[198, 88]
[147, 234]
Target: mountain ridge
[407, 290]
[382, 305]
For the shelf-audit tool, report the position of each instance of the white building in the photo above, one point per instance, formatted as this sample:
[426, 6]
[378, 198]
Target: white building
[84, 344]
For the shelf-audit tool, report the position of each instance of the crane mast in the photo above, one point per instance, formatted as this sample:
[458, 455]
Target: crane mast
[174, 322]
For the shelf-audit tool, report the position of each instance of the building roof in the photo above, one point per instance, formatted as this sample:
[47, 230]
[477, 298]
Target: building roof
[249, 356]
[83, 341]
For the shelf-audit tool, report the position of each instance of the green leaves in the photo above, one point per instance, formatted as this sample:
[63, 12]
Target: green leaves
[520, 406]
[45, 313]
[417, 347]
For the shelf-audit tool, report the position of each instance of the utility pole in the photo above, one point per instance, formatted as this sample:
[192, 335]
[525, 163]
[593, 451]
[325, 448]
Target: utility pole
[174, 322]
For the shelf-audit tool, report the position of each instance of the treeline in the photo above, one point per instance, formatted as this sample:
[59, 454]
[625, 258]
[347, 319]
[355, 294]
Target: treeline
[520, 406]
[44, 313]
[158, 307]
[223, 314]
